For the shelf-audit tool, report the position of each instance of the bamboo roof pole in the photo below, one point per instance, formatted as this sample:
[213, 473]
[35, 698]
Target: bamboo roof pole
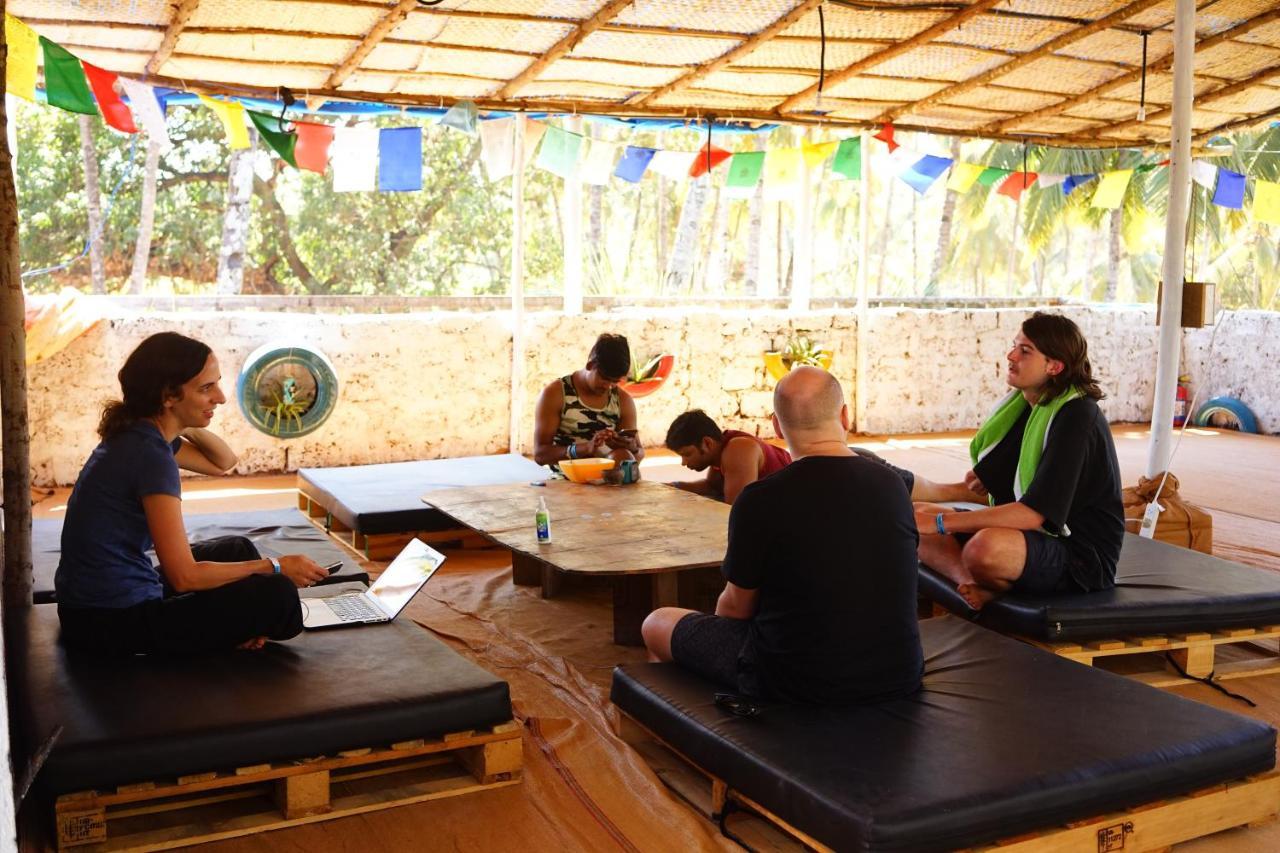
[863, 336]
[376, 35]
[743, 49]
[181, 15]
[1236, 124]
[517, 287]
[606, 13]
[1206, 98]
[1123, 80]
[573, 232]
[880, 57]
[1169, 351]
[1030, 56]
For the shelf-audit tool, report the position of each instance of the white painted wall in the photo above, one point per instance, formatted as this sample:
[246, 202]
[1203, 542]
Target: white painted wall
[431, 385]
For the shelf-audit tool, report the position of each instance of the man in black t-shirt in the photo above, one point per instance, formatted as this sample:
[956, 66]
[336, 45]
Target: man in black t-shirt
[819, 603]
[1047, 459]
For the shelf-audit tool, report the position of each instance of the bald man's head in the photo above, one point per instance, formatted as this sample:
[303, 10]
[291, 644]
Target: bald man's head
[808, 399]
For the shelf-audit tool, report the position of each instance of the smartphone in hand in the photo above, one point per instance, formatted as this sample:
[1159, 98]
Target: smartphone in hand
[334, 568]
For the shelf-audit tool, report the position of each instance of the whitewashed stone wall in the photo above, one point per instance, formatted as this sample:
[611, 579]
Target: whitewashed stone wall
[418, 386]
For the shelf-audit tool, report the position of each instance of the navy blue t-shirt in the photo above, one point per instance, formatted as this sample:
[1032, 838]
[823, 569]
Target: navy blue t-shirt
[105, 538]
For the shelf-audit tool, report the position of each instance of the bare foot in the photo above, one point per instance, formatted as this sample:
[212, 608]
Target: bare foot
[975, 596]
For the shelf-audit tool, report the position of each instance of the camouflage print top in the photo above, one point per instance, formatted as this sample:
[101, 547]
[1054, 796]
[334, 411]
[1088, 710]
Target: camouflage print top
[578, 421]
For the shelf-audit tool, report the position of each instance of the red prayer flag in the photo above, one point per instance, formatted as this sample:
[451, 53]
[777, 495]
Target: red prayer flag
[312, 149]
[1013, 185]
[886, 136]
[709, 156]
[114, 112]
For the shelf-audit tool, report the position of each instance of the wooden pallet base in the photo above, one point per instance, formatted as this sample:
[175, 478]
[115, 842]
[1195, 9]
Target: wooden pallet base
[1155, 826]
[209, 806]
[385, 546]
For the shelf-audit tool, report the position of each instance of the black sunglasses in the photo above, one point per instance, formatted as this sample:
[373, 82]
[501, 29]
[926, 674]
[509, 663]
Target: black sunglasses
[739, 706]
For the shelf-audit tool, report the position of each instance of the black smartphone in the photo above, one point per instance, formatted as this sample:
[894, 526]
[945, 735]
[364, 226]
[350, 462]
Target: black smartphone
[628, 433]
[333, 568]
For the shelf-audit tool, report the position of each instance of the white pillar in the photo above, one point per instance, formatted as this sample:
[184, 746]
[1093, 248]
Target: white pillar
[573, 233]
[802, 278]
[1169, 352]
[864, 314]
[517, 286]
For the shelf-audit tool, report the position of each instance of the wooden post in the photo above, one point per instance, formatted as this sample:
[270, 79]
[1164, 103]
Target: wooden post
[517, 286]
[303, 795]
[802, 281]
[863, 334]
[573, 233]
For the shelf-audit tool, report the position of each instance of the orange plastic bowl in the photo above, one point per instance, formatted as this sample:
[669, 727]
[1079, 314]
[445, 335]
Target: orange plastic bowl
[586, 470]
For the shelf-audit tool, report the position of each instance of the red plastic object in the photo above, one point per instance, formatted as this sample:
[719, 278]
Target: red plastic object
[647, 387]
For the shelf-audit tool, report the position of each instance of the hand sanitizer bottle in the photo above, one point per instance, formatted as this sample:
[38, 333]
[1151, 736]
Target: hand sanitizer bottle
[542, 519]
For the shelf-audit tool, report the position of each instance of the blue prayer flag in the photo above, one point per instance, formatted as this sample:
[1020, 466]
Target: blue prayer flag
[400, 159]
[1230, 191]
[1074, 181]
[925, 171]
[633, 163]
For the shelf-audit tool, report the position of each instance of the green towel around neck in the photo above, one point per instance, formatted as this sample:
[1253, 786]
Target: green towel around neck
[1034, 438]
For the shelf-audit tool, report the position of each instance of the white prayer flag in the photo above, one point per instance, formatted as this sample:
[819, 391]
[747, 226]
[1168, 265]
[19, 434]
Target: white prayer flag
[533, 133]
[597, 166]
[146, 109]
[1046, 181]
[673, 164]
[498, 147]
[1204, 173]
[354, 159]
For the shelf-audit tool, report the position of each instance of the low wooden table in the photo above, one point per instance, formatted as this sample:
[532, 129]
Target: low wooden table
[643, 536]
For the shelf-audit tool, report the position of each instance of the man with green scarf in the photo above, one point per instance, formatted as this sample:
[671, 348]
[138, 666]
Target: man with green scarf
[1046, 462]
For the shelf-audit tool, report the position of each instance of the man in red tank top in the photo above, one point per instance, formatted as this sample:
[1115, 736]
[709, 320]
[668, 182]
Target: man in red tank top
[734, 458]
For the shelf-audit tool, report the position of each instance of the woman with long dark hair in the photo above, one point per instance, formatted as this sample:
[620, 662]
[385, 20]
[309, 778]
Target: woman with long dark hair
[204, 596]
[1046, 462]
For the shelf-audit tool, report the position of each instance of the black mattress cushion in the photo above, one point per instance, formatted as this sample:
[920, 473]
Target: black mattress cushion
[1003, 738]
[274, 532]
[387, 498]
[153, 717]
[1160, 589]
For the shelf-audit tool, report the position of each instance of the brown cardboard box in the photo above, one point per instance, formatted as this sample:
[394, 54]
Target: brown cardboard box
[1181, 523]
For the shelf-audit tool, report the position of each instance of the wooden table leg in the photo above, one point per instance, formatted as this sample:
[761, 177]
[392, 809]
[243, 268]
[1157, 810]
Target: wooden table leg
[552, 579]
[635, 597]
[525, 570]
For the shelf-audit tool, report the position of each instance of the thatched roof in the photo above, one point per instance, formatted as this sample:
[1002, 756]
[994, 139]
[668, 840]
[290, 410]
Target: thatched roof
[1065, 72]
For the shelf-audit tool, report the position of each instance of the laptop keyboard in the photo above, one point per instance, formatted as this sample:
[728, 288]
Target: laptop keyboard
[354, 608]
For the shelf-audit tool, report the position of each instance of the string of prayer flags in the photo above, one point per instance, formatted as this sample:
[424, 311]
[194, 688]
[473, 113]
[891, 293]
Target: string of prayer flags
[815, 152]
[559, 152]
[1204, 173]
[311, 151]
[533, 133]
[782, 167]
[1016, 184]
[64, 81]
[634, 162]
[148, 112]
[744, 173]
[354, 157]
[708, 157]
[20, 70]
[1230, 191]
[921, 175]
[674, 165]
[1110, 191]
[1048, 181]
[400, 159]
[597, 166]
[991, 176]
[848, 159]
[231, 114]
[114, 112]
[1073, 181]
[497, 147]
[274, 133]
[886, 136]
[1266, 201]
[461, 116]
[963, 177]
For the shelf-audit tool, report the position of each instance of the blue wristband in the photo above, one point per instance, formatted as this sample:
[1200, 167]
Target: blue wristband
[275, 565]
[573, 450]
[938, 523]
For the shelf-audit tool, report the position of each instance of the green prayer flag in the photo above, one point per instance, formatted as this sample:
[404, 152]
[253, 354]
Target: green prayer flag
[992, 175]
[745, 169]
[273, 133]
[848, 159]
[559, 152]
[64, 80]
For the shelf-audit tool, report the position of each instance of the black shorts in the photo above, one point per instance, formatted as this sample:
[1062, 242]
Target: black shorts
[1048, 566]
[710, 646]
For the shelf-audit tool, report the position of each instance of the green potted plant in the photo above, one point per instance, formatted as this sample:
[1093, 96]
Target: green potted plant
[799, 349]
[649, 377]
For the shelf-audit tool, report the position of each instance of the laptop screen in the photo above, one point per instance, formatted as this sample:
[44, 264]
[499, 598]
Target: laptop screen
[401, 580]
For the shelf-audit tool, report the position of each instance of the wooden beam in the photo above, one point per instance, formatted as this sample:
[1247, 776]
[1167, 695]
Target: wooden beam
[1206, 98]
[375, 36]
[1025, 59]
[603, 15]
[746, 47]
[880, 57]
[1159, 65]
[181, 14]
[1238, 124]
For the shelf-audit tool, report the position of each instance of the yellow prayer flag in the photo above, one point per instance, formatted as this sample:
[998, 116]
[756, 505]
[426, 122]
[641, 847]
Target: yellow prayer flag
[232, 116]
[24, 46]
[815, 152]
[1266, 201]
[963, 177]
[1110, 191]
[782, 166]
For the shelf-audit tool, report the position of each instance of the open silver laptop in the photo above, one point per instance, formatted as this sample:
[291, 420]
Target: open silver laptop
[383, 601]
